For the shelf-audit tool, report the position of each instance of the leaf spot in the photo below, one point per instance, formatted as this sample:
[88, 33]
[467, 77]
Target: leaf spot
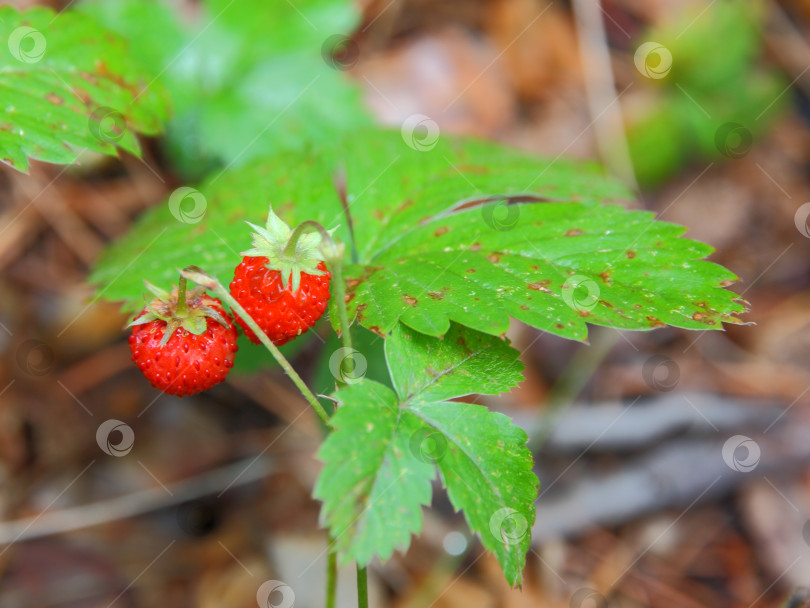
[410, 300]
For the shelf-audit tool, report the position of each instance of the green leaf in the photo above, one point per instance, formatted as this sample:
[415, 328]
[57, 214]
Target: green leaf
[383, 451]
[487, 471]
[249, 79]
[427, 369]
[436, 244]
[374, 484]
[68, 85]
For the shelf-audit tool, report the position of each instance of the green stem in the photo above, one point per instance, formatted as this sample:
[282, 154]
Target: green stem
[362, 588]
[339, 289]
[303, 227]
[182, 309]
[200, 277]
[331, 579]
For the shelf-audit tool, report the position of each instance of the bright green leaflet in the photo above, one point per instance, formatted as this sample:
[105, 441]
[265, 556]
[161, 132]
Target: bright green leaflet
[373, 490]
[247, 79]
[67, 85]
[436, 243]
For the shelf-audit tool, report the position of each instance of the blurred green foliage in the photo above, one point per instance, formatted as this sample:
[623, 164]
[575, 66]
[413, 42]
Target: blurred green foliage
[716, 99]
[247, 78]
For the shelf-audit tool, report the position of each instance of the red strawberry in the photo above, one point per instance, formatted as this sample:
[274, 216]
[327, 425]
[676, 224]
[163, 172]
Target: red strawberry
[282, 282]
[183, 343]
[282, 313]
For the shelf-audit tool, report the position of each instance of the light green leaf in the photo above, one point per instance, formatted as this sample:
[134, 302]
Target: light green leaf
[248, 78]
[68, 85]
[427, 369]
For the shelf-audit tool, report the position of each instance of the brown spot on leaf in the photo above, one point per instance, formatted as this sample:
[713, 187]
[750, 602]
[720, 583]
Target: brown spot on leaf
[699, 316]
[584, 313]
[404, 205]
[605, 276]
[559, 326]
[574, 232]
[475, 246]
[352, 283]
[726, 283]
[359, 313]
[630, 254]
[494, 257]
[410, 300]
[435, 295]
[535, 267]
[655, 322]
[440, 231]
[54, 99]
[376, 330]
[540, 286]
[524, 307]
[606, 303]
[470, 270]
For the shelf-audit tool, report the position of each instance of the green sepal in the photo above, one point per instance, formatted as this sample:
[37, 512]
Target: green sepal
[270, 242]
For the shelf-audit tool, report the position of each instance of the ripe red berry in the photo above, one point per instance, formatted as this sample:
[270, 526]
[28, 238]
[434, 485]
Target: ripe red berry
[282, 282]
[282, 313]
[183, 343]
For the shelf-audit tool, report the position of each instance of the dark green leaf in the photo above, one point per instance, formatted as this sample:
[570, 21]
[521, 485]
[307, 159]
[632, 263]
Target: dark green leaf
[68, 85]
[427, 369]
[374, 484]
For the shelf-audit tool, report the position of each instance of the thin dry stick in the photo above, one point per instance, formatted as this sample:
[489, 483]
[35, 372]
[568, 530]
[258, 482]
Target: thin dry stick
[600, 88]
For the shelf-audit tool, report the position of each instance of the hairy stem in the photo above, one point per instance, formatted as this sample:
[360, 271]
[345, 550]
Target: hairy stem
[200, 277]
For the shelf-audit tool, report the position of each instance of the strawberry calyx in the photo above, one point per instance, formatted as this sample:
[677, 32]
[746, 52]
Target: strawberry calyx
[180, 308]
[290, 251]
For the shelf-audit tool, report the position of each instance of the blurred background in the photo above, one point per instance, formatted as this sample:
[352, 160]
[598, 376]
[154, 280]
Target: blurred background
[673, 464]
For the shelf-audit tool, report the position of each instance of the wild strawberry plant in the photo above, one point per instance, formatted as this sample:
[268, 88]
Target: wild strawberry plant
[435, 246]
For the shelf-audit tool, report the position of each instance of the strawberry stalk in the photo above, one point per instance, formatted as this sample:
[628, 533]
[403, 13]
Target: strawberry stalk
[197, 275]
[333, 256]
